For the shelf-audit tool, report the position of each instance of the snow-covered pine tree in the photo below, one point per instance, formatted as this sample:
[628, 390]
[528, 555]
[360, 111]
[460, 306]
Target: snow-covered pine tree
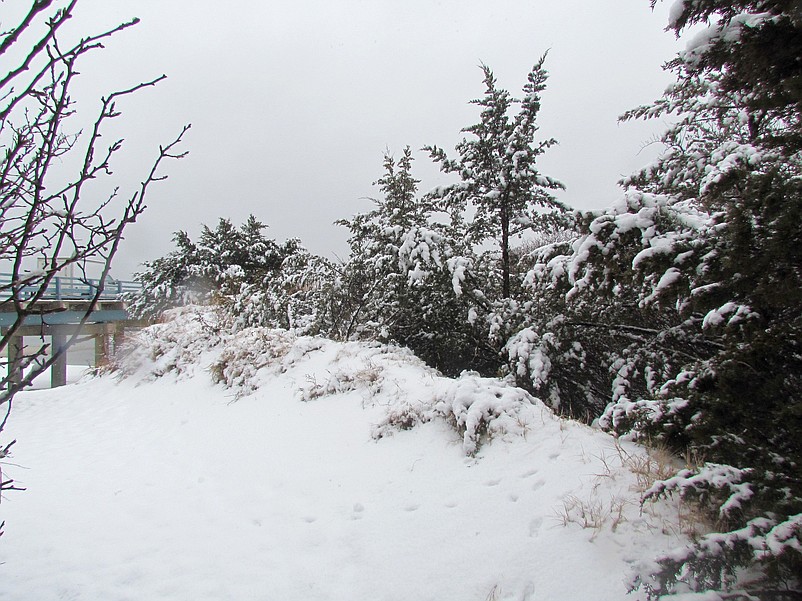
[397, 285]
[501, 193]
[168, 281]
[302, 294]
[219, 263]
[375, 283]
[707, 242]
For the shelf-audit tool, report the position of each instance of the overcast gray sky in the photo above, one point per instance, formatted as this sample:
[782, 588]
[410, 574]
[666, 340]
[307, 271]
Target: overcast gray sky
[293, 102]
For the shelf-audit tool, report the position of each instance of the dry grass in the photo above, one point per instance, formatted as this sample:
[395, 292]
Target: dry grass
[593, 513]
[687, 519]
[680, 518]
[367, 377]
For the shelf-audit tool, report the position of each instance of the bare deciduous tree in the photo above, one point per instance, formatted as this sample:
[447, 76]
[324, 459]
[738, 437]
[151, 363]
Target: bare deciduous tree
[52, 215]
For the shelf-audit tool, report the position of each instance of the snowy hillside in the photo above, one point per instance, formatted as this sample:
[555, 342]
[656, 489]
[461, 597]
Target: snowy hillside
[314, 470]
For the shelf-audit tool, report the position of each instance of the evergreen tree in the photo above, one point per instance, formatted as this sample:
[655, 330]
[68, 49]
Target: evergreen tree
[219, 263]
[302, 294]
[500, 183]
[397, 283]
[376, 284]
[752, 50]
[169, 281]
[699, 266]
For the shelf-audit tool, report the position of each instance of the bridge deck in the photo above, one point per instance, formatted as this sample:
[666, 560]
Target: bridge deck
[58, 313]
[69, 288]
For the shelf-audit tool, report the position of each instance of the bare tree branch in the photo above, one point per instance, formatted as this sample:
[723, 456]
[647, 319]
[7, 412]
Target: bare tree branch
[47, 217]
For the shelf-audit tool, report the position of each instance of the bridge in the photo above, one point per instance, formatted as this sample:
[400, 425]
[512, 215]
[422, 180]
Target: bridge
[58, 312]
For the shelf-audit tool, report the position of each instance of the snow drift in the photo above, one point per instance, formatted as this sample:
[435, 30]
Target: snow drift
[267, 466]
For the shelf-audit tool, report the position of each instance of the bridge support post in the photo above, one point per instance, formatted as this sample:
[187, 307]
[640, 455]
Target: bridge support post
[101, 348]
[117, 338]
[58, 372]
[104, 344]
[16, 346]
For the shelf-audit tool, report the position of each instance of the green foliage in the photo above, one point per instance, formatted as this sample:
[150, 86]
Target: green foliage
[682, 303]
[674, 316]
[218, 264]
[753, 51]
[501, 193]
[439, 285]
[376, 284]
[434, 284]
[302, 295]
[397, 286]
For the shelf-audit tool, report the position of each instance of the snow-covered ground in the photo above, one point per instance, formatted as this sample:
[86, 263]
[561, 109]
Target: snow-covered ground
[74, 374]
[323, 471]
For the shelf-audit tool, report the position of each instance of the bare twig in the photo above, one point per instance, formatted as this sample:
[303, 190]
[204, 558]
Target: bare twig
[44, 217]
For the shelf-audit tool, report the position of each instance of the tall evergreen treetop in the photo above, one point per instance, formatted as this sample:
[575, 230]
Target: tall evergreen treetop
[501, 192]
[750, 48]
[398, 189]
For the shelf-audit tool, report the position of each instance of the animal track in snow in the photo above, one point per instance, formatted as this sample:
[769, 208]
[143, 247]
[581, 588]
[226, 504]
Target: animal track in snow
[535, 525]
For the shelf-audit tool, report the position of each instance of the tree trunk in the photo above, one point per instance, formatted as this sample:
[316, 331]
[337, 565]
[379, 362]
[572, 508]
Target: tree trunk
[505, 251]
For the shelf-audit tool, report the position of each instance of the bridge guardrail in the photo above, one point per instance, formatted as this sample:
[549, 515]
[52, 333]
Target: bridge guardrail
[71, 288]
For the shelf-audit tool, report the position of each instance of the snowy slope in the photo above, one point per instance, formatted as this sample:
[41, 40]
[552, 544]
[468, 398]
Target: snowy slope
[299, 484]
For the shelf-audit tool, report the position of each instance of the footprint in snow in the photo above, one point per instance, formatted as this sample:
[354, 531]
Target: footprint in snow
[529, 474]
[534, 526]
[529, 592]
[309, 519]
[411, 507]
[492, 482]
[538, 485]
[451, 504]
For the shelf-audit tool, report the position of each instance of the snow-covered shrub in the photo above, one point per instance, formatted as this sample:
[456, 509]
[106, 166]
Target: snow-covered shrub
[302, 295]
[197, 339]
[179, 345]
[215, 268]
[366, 378]
[245, 353]
[529, 354]
[478, 409]
[483, 407]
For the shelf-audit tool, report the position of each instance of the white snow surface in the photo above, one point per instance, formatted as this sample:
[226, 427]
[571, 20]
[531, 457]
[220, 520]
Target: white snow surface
[305, 486]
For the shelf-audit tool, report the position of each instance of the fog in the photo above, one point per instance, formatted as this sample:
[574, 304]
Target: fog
[293, 103]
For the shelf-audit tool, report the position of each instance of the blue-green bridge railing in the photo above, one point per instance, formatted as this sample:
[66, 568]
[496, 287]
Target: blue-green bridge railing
[61, 312]
[64, 288]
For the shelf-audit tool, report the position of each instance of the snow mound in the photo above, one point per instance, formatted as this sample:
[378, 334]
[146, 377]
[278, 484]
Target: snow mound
[193, 341]
[263, 465]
